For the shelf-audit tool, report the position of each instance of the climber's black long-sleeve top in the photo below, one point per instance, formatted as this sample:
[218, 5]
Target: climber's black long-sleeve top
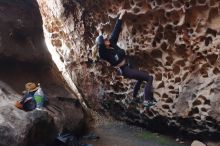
[116, 55]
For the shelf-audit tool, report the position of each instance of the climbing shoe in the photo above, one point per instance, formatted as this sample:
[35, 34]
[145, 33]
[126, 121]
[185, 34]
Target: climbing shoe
[148, 103]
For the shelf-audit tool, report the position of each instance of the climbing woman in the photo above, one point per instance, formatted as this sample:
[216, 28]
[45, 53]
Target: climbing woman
[109, 51]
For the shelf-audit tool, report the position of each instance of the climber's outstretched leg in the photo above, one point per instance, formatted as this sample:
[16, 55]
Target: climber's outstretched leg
[137, 88]
[140, 76]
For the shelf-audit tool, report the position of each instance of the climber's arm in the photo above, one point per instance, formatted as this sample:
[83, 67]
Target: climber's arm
[117, 29]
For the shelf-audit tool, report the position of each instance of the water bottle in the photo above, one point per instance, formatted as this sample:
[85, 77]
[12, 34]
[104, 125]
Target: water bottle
[39, 97]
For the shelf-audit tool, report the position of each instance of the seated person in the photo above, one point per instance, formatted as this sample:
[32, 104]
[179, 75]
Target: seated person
[28, 102]
[33, 97]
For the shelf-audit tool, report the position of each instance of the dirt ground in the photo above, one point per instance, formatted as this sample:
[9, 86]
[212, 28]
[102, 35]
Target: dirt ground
[114, 133]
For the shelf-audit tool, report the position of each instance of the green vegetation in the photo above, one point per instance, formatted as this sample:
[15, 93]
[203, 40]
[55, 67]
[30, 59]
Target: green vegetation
[155, 137]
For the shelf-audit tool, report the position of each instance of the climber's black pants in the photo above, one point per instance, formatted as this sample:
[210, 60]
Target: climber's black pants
[140, 76]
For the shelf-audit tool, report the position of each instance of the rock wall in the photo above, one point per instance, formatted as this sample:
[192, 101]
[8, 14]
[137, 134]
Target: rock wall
[24, 58]
[21, 32]
[175, 41]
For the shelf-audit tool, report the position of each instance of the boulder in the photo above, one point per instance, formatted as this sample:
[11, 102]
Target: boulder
[19, 128]
[38, 127]
[21, 35]
[197, 143]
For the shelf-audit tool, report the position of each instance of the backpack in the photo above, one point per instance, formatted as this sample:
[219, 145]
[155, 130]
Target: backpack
[29, 103]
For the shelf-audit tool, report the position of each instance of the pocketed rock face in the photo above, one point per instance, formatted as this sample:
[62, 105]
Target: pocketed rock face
[176, 41]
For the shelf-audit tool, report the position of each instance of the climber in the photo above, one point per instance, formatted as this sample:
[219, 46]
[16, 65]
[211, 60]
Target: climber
[33, 98]
[108, 50]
